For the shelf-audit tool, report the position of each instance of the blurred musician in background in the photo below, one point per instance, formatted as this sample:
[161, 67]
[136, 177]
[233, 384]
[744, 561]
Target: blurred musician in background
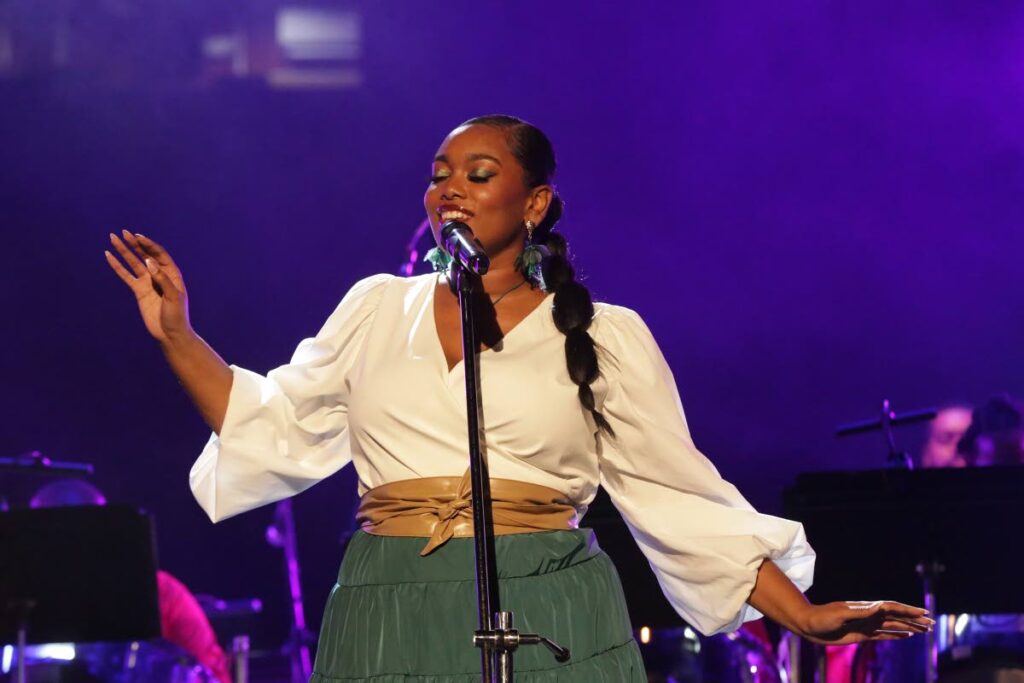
[944, 432]
[995, 435]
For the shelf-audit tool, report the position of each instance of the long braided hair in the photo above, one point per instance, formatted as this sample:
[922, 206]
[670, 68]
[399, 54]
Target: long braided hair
[573, 308]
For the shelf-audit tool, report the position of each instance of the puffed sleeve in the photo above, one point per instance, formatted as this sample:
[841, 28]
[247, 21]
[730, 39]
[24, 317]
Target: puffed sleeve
[704, 541]
[285, 432]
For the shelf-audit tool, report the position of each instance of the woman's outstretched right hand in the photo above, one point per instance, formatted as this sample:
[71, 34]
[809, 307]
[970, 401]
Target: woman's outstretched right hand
[159, 289]
[151, 274]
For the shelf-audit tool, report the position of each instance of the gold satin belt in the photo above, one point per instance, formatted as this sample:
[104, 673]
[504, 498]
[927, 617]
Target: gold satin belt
[440, 508]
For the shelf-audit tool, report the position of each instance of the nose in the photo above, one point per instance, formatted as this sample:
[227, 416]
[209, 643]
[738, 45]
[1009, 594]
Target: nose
[452, 190]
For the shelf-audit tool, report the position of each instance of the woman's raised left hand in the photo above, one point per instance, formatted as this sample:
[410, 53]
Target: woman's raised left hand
[842, 623]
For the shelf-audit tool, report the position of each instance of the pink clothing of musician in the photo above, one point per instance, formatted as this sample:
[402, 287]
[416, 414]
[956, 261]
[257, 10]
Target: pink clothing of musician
[183, 622]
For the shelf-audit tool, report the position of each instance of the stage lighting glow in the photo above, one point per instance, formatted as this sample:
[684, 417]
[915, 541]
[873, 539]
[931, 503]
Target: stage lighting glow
[961, 624]
[645, 634]
[64, 652]
[308, 33]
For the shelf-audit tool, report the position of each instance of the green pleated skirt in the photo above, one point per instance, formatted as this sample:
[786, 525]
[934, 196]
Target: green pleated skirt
[396, 617]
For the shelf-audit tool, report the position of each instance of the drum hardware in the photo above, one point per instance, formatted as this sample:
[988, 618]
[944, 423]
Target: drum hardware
[281, 534]
[34, 462]
[21, 610]
[885, 423]
[240, 657]
[930, 572]
[216, 608]
[153, 662]
[789, 651]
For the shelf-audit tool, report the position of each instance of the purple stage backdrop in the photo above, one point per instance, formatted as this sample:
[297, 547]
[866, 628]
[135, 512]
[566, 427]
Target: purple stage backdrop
[814, 206]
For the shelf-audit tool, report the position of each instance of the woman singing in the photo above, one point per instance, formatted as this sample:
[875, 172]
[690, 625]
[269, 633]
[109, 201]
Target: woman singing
[575, 395]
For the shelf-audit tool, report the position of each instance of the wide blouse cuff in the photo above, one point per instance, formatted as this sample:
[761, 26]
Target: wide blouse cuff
[795, 561]
[210, 470]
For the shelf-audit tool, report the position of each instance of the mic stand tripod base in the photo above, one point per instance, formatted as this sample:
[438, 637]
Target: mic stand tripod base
[503, 641]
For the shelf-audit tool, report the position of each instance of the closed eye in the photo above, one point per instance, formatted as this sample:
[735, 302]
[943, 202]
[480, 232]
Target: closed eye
[473, 177]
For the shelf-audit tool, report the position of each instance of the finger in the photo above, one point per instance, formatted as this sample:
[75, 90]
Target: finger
[120, 270]
[900, 625]
[156, 252]
[864, 607]
[906, 610]
[162, 281]
[153, 250]
[132, 239]
[128, 255]
[920, 621]
[890, 634]
[867, 608]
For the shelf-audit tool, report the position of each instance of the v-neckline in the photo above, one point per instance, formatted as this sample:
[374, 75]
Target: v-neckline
[436, 336]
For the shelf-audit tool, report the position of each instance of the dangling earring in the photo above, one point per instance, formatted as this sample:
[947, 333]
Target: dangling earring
[529, 261]
[439, 259]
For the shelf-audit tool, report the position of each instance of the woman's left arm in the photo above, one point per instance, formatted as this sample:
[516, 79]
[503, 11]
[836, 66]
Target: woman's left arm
[835, 623]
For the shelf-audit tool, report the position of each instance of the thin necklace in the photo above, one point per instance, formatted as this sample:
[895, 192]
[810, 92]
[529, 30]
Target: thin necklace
[494, 302]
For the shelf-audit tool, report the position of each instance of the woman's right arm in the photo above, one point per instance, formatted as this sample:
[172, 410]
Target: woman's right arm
[159, 289]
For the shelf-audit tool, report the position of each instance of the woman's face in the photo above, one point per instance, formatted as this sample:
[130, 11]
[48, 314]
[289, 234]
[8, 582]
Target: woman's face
[476, 180]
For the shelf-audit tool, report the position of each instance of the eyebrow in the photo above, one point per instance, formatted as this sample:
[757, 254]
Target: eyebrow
[476, 156]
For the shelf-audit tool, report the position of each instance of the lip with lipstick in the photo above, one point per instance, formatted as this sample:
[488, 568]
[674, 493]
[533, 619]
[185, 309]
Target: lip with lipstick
[453, 212]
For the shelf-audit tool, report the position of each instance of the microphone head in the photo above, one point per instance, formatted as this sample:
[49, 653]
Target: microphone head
[448, 227]
[458, 240]
[479, 263]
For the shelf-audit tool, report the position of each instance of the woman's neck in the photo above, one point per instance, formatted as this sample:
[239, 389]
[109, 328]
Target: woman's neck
[502, 273]
[500, 277]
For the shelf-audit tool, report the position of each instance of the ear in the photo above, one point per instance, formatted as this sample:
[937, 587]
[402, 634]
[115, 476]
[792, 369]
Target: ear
[538, 202]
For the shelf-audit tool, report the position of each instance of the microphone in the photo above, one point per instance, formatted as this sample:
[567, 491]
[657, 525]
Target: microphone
[458, 240]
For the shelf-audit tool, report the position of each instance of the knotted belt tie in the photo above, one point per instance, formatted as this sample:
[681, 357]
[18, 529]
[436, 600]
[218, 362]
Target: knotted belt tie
[440, 508]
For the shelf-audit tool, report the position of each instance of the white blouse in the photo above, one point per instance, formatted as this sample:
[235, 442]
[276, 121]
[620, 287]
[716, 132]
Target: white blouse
[373, 388]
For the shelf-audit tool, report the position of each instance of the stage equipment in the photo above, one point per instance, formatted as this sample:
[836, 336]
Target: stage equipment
[29, 465]
[281, 534]
[982, 648]
[681, 655]
[944, 534]
[35, 462]
[889, 419]
[496, 636]
[77, 574]
[458, 240]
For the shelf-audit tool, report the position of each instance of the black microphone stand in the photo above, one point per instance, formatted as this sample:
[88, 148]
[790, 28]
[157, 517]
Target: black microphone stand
[495, 635]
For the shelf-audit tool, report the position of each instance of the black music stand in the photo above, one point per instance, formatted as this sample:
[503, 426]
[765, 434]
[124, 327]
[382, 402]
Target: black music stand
[945, 538]
[872, 529]
[88, 572]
